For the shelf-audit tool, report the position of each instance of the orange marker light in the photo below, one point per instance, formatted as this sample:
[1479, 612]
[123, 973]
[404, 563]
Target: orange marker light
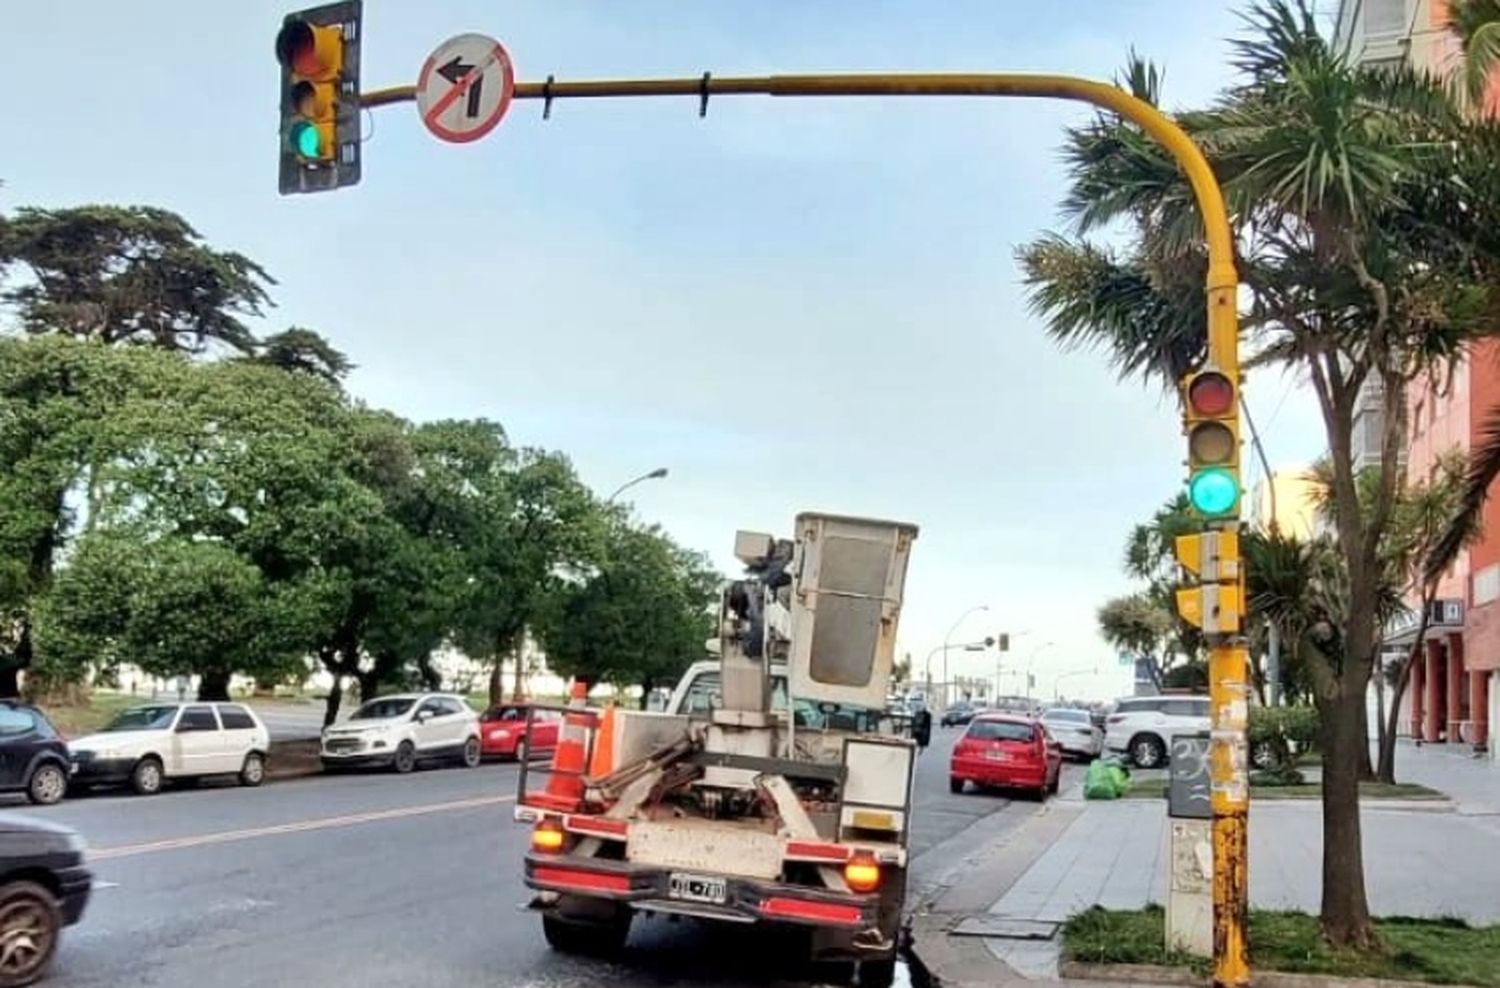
[547, 838]
[862, 873]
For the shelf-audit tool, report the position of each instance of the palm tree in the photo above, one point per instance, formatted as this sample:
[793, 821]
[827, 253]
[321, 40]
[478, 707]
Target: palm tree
[1477, 25]
[1140, 625]
[1360, 203]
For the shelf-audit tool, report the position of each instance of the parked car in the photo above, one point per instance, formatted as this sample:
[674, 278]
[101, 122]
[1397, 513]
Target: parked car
[150, 745]
[400, 730]
[1142, 727]
[33, 757]
[44, 886]
[1006, 751]
[1074, 729]
[503, 733]
[958, 714]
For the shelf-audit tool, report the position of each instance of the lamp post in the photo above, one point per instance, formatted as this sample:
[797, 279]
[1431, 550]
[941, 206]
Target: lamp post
[656, 474]
[1057, 683]
[949, 636]
[979, 646]
[1032, 658]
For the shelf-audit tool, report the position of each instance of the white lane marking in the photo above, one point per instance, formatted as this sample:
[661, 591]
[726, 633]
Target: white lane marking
[105, 885]
[300, 826]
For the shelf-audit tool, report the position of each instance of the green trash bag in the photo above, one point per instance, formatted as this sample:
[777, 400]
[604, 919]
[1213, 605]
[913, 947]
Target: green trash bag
[1100, 782]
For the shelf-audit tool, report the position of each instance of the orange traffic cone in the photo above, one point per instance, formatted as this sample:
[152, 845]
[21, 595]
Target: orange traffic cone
[564, 790]
[603, 761]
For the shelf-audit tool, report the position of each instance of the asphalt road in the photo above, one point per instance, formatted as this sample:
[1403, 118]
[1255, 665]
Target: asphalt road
[374, 879]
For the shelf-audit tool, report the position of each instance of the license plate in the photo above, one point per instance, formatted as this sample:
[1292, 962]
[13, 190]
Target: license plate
[997, 756]
[697, 888]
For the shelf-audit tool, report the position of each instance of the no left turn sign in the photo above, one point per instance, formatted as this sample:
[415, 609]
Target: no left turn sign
[465, 88]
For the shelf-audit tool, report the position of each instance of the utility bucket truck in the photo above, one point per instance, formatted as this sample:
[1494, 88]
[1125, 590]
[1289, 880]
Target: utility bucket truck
[785, 800]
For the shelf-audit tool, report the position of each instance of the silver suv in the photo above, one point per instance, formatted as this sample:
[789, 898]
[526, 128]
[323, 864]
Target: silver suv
[1141, 727]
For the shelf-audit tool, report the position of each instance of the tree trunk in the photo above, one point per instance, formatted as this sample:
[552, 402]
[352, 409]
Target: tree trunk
[497, 681]
[10, 682]
[1382, 727]
[519, 693]
[213, 685]
[335, 697]
[369, 683]
[1366, 765]
[1346, 910]
[432, 680]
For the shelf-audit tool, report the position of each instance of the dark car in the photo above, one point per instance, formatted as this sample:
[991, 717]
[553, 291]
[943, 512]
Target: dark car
[960, 713]
[33, 756]
[44, 887]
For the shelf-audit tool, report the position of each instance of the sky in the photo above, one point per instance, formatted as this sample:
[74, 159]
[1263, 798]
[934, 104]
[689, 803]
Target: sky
[790, 304]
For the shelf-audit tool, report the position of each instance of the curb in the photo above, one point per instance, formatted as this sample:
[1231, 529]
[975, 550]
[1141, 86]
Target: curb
[945, 962]
[1155, 975]
[291, 760]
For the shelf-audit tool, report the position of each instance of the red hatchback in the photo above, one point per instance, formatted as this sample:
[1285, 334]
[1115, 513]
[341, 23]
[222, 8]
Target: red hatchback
[1006, 751]
[502, 732]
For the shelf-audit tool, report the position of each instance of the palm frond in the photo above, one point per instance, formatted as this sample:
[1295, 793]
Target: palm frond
[1476, 23]
[1484, 467]
[1091, 298]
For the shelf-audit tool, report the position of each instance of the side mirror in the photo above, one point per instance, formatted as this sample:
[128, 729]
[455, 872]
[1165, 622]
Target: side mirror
[423, 716]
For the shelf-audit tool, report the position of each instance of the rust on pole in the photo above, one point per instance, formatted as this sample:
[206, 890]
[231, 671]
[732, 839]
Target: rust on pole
[1228, 657]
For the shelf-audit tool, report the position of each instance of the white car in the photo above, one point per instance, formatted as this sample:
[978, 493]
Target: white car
[402, 729]
[1142, 726]
[154, 743]
[1074, 729]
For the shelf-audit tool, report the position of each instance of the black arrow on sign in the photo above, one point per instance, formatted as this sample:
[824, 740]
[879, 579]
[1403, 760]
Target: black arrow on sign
[455, 72]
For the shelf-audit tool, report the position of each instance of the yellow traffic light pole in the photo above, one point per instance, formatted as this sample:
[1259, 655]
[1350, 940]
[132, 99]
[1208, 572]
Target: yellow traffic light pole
[1228, 659]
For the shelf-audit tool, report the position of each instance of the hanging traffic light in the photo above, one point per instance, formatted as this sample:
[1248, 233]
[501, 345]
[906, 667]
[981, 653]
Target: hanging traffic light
[318, 49]
[1211, 421]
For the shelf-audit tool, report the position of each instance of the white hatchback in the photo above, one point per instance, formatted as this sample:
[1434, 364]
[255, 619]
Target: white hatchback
[151, 744]
[400, 730]
[1142, 726]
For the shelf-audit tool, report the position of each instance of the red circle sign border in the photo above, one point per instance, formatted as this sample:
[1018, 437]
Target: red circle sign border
[507, 93]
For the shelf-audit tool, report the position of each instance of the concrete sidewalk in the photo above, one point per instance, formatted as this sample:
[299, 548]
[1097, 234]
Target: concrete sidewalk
[1471, 782]
[1072, 855]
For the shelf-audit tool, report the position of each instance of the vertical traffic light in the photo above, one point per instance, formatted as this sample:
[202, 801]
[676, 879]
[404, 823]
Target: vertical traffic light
[318, 49]
[1211, 420]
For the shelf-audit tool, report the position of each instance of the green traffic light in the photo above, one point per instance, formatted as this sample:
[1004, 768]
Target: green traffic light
[305, 139]
[1213, 491]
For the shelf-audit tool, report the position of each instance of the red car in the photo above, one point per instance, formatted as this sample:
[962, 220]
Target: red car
[502, 732]
[1006, 751]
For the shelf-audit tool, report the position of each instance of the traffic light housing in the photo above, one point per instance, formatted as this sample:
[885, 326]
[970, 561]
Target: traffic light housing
[1215, 602]
[1211, 421]
[318, 50]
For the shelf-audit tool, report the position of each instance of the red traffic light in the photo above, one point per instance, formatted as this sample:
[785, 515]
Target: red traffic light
[312, 51]
[1211, 394]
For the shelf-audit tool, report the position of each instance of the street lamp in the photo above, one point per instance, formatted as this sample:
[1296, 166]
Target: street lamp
[1057, 683]
[948, 637]
[979, 646]
[656, 474]
[1032, 658]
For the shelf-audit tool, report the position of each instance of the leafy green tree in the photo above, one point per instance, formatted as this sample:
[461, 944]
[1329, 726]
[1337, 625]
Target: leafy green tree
[541, 528]
[1366, 206]
[133, 274]
[303, 351]
[639, 620]
[64, 407]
